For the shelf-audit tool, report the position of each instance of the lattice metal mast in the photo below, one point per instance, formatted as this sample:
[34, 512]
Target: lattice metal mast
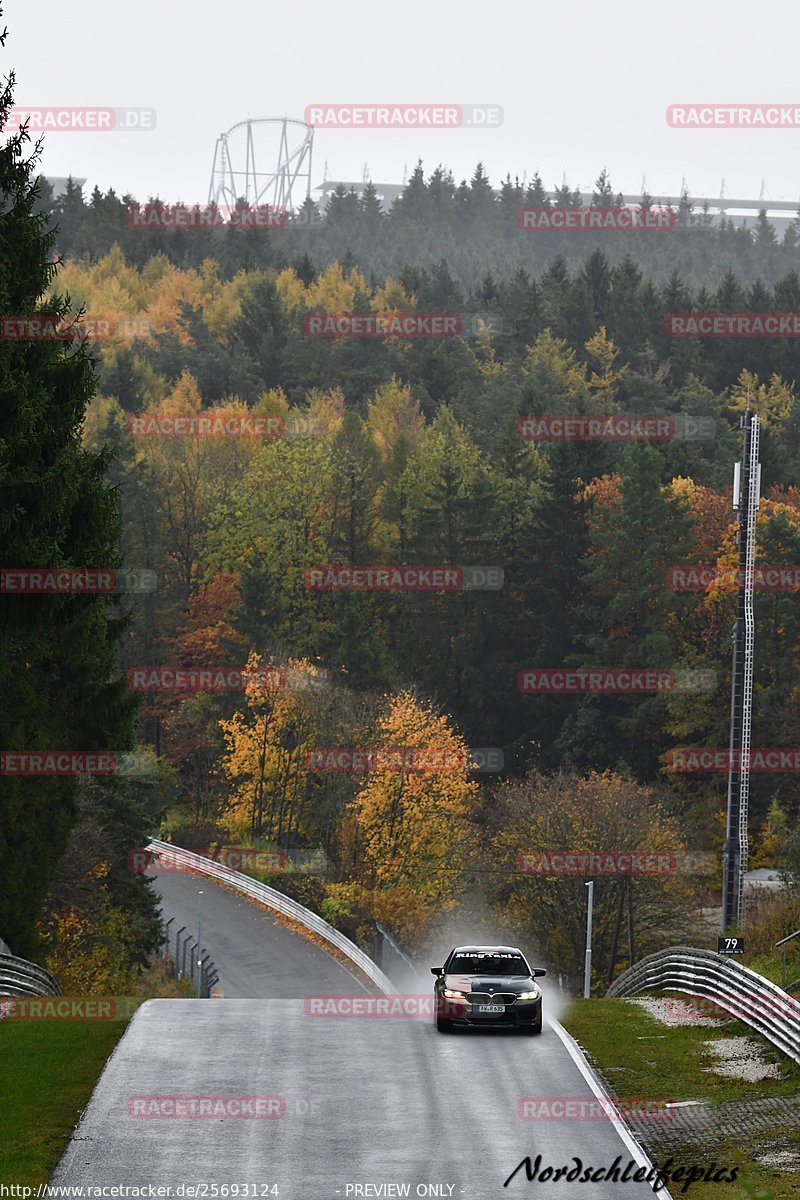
[746, 499]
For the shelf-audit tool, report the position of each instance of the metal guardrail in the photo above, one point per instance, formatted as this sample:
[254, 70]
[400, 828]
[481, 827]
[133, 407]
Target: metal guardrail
[784, 942]
[279, 903]
[737, 990]
[18, 977]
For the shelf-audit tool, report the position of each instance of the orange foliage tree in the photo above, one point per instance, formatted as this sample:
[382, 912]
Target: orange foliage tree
[413, 819]
[268, 744]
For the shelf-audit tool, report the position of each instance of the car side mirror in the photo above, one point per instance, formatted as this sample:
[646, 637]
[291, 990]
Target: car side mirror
[538, 971]
[437, 970]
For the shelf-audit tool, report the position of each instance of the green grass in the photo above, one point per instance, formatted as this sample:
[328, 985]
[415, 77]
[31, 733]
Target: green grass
[769, 965]
[47, 1072]
[640, 1057]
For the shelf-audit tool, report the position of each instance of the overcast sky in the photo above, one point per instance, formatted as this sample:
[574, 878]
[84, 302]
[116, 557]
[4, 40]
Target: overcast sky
[582, 84]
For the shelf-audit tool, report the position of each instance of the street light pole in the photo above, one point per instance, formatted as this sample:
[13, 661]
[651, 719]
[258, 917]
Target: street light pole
[587, 965]
[199, 944]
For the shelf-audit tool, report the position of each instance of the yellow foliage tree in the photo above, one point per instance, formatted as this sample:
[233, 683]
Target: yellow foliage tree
[89, 956]
[606, 379]
[414, 816]
[393, 411]
[291, 290]
[333, 292]
[771, 401]
[268, 743]
[391, 296]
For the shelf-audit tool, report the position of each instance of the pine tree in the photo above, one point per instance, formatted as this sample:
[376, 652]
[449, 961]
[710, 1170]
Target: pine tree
[603, 194]
[441, 189]
[70, 213]
[58, 651]
[597, 274]
[371, 213]
[482, 203]
[765, 237]
[412, 205]
[629, 617]
[536, 195]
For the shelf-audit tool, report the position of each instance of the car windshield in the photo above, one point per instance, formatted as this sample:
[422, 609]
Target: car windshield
[488, 964]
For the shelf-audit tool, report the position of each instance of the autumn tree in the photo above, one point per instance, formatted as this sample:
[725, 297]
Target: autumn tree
[288, 711]
[414, 816]
[568, 813]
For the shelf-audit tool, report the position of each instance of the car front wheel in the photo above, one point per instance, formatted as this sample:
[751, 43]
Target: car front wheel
[534, 1028]
[443, 1025]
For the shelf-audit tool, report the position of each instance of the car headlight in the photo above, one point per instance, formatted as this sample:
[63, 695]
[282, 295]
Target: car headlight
[528, 995]
[455, 995]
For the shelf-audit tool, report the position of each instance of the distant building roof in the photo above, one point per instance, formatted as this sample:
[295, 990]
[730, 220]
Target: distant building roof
[763, 877]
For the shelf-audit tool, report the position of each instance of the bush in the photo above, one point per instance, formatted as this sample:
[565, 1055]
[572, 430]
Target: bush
[191, 835]
[770, 917]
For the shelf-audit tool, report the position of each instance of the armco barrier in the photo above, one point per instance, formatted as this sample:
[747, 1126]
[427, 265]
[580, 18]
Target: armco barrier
[741, 992]
[279, 903]
[18, 977]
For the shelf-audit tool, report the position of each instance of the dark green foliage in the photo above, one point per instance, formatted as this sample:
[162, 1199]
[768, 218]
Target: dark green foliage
[57, 653]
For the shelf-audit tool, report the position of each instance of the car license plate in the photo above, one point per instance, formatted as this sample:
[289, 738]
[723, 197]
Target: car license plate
[490, 1008]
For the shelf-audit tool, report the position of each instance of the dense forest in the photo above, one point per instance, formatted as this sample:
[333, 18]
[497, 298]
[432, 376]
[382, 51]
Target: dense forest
[473, 227]
[408, 451]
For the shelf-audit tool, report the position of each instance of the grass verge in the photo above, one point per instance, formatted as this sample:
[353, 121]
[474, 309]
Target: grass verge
[47, 1072]
[639, 1057]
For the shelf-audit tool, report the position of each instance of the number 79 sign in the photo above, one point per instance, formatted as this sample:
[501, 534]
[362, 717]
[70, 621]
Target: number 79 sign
[730, 945]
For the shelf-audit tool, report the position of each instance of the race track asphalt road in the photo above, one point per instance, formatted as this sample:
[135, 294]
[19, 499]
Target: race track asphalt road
[367, 1101]
[255, 955]
[362, 1106]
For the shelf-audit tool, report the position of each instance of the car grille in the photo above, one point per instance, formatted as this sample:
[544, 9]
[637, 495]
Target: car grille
[491, 997]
